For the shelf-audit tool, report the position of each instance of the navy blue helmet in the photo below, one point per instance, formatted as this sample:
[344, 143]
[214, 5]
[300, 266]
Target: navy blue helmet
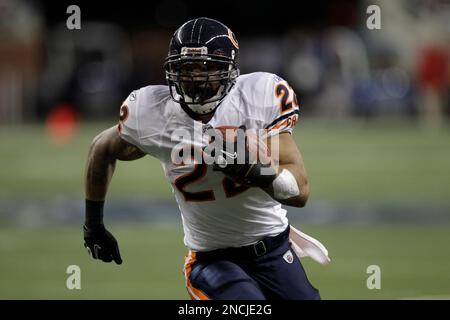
[202, 64]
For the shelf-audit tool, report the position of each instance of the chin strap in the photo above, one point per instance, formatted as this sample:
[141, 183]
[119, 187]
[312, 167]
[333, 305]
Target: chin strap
[197, 116]
[194, 115]
[203, 109]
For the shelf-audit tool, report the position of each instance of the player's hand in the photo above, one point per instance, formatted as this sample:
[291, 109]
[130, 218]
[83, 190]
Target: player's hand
[249, 174]
[246, 168]
[101, 244]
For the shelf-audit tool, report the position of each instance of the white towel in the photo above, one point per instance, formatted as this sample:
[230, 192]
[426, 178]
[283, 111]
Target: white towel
[307, 246]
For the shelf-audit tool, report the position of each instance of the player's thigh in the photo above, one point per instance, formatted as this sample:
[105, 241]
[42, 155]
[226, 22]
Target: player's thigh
[282, 276]
[224, 280]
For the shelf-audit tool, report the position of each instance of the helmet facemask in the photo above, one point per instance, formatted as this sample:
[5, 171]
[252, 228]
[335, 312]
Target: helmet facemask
[200, 81]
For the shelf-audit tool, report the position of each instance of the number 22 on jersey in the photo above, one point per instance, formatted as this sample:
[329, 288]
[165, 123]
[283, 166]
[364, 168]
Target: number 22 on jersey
[230, 187]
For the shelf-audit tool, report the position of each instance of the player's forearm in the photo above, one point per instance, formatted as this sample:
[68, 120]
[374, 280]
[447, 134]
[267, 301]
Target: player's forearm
[99, 169]
[105, 150]
[291, 192]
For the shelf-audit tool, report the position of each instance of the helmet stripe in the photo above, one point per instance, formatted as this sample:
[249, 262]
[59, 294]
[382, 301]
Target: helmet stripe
[200, 32]
[193, 27]
[218, 36]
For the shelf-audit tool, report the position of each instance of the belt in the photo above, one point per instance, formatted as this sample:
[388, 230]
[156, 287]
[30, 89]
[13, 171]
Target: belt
[255, 250]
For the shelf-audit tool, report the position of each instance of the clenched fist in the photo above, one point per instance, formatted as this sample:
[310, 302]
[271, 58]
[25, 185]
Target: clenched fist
[101, 244]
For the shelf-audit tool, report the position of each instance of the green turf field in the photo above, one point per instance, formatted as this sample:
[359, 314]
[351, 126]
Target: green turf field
[414, 262]
[393, 163]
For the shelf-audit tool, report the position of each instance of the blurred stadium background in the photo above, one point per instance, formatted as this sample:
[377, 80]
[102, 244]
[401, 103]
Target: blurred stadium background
[374, 133]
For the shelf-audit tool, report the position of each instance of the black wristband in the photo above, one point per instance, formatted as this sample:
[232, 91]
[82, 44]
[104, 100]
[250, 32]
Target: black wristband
[94, 214]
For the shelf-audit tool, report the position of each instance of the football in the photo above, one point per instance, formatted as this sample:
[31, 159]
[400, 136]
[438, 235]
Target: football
[252, 141]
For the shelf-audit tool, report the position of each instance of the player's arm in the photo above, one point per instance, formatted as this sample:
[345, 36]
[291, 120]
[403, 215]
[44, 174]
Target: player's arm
[290, 186]
[282, 174]
[105, 150]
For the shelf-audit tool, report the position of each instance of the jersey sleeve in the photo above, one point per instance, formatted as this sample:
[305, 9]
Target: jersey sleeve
[128, 119]
[283, 112]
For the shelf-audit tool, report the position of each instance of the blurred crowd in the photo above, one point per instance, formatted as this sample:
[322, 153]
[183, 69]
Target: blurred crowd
[338, 69]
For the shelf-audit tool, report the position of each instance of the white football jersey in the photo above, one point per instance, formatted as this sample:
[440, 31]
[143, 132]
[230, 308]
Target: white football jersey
[216, 212]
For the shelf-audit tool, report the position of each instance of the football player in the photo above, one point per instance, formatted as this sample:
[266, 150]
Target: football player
[235, 228]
